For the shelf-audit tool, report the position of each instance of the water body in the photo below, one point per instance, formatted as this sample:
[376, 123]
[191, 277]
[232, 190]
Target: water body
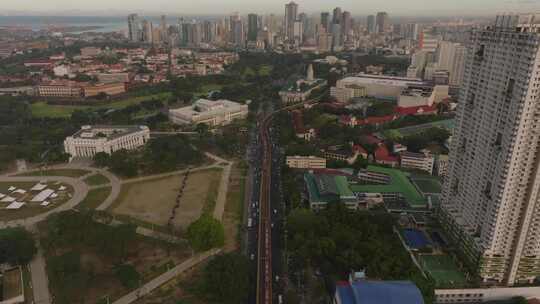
[106, 24]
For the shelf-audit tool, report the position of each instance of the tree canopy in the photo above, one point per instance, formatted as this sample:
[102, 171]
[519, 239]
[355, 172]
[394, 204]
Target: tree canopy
[17, 246]
[226, 278]
[206, 233]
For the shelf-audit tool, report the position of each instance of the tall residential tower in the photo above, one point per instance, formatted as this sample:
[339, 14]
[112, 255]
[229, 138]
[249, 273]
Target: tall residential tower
[491, 200]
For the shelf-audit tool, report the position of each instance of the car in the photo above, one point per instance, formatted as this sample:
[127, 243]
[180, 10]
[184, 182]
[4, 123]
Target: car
[252, 257]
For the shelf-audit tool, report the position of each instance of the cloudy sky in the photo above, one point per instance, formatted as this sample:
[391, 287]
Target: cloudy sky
[357, 7]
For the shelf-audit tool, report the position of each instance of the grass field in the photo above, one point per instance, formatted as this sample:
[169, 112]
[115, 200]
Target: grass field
[42, 109]
[57, 172]
[234, 208]
[153, 201]
[31, 208]
[443, 270]
[427, 185]
[94, 198]
[96, 179]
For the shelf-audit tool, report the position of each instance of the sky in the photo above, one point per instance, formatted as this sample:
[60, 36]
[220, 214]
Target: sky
[206, 7]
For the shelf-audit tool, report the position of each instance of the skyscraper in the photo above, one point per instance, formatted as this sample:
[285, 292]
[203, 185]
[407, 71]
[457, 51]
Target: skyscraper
[371, 24]
[491, 198]
[253, 27]
[346, 24]
[382, 22]
[325, 20]
[291, 12]
[164, 29]
[147, 31]
[337, 15]
[134, 28]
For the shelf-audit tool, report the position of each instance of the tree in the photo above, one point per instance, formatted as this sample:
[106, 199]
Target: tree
[226, 278]
[206, 233]
[122, 163]
[17, 246]
[101, 159]
[128, 275]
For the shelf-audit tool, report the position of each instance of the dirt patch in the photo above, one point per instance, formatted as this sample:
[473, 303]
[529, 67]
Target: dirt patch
[152, 201]
[232, 218]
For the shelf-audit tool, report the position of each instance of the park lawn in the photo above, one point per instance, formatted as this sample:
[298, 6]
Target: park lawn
[153, 200]
[94, 198]
[57, 172]
[150, 258]
[207, 88]
[96, 179]
[234, 207]
[42, 109]
[31, 208]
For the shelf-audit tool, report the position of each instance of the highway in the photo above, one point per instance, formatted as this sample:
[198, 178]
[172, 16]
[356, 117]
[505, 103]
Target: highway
[267, 209]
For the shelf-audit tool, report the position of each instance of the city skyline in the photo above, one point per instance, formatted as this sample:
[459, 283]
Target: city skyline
[395, 8]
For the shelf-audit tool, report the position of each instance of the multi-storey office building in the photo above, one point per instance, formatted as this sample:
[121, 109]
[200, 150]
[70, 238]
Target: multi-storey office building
[90, 140]
[491, 197]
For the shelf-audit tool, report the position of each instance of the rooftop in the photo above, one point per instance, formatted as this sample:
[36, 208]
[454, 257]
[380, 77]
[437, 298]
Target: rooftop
[400, 183]
[380, 292]
[382, 80]
[107, 132]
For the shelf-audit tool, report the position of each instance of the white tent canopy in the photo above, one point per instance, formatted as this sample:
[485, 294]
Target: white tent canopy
[45, 203]
[7, 199]
[15, 205]
[43, 195]
[38, 187]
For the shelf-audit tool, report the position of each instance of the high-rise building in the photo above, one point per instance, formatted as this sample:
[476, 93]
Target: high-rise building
[147, 31]
[410, 31]
[253, 27]
[382, 22]
[238, 33]
[291, 12]
[346, 24]
[164, 29]
[325, 20]
[371, 27]
[491, 200]
[458, 66]
[336, 16]
[134, 28]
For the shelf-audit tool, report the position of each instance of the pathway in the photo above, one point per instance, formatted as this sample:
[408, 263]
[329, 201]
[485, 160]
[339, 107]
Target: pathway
[167, 276]
[40, 282]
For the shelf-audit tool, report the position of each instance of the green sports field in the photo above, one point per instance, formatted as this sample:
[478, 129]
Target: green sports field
[427, 185]
[443, 270]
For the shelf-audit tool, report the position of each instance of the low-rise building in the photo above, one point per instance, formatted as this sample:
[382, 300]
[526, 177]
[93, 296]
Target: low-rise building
[363, 291]
[379, 86]
[212, 113]
[442, 165]
[90, 140]
[347, 93]
[61, 89]
[90, 51]
[420, 161]
[482, 295]
[324, 189]
[416, 96]
[113, 77]
[306, 162]
[110, 89]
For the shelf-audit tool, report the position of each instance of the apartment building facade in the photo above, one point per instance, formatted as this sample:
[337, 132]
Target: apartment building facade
[490, 204]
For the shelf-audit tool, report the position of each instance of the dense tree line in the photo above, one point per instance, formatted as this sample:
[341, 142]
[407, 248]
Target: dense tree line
[17, 246]
[159, 155]
[338, 240]
[68, 234]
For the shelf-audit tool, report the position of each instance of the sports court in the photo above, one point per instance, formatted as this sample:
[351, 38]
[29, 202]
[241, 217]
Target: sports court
[426, 184]
[416, 239]
[443, 270]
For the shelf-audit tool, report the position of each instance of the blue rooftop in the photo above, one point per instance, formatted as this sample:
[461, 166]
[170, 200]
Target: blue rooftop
[378, 292]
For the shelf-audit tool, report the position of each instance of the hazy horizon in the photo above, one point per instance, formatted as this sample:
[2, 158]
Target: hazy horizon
[206, 7]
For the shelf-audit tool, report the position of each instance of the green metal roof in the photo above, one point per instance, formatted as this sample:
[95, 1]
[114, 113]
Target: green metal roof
[399, 183]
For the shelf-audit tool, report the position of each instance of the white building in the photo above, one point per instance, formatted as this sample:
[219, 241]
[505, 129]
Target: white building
[491, 200]
[420, 161]
[212, 113]
[385, 87]
[90, 140]
[306, 162]
[422, 96]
